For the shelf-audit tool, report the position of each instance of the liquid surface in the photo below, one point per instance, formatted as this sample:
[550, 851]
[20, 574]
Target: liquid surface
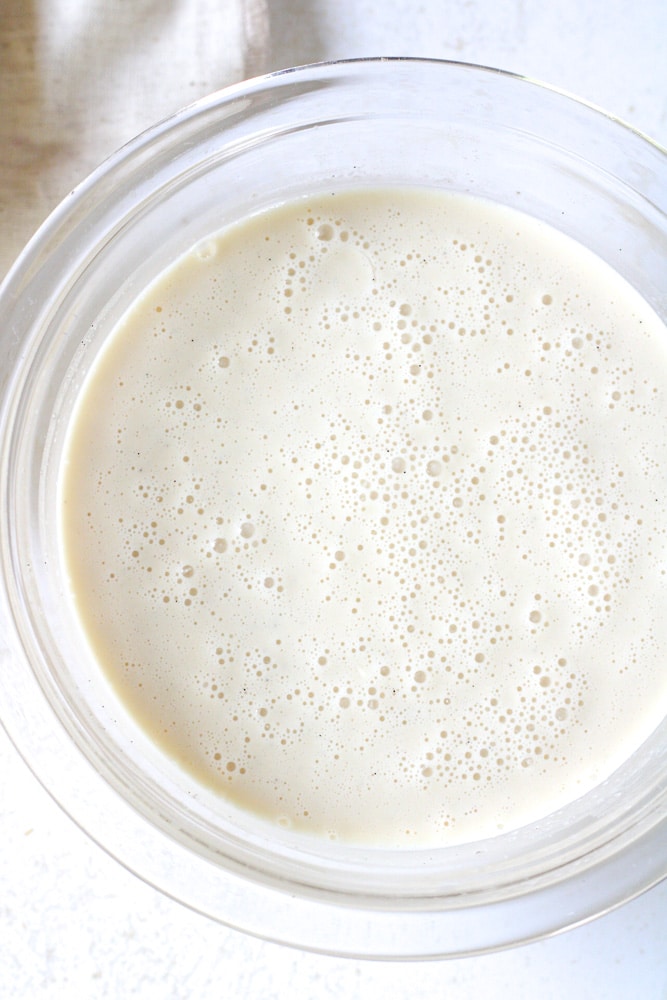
[362, 509]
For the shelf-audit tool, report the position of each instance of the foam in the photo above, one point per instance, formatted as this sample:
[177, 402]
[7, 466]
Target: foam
[368, 533]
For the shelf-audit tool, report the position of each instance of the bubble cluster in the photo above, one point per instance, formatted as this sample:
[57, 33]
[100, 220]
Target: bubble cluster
[369, 531]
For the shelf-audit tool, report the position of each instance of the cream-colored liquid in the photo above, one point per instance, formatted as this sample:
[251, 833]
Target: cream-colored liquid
[363, 510]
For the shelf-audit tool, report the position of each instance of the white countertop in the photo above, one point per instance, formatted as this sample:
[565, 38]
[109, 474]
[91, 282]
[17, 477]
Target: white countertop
[73, 923]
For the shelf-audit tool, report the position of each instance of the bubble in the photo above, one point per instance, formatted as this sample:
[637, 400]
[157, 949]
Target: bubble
[206, 249]
[434, 468]
[325, 232]
[247, 529]
[398, 465]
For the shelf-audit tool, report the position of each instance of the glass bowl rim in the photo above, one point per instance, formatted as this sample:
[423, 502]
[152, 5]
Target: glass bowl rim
[26, 264]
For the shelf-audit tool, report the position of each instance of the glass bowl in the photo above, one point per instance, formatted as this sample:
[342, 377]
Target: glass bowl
[450, 126]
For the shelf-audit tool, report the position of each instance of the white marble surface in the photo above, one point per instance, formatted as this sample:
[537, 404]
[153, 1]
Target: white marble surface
[73, 923]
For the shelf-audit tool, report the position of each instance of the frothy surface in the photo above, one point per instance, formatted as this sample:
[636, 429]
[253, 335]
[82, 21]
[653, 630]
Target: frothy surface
[363, 513]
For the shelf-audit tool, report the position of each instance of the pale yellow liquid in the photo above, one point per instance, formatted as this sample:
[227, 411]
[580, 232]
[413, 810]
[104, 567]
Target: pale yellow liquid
[363, 513]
